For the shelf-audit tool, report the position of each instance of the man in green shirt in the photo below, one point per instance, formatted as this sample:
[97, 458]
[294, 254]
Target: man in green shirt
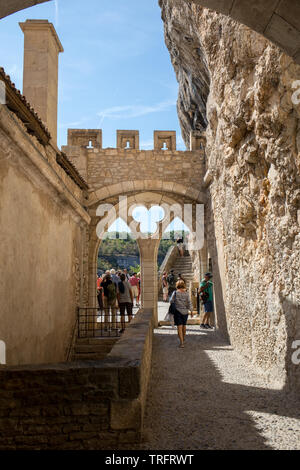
[206, 288]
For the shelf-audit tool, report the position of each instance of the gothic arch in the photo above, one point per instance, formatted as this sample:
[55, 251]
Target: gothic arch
[148, 247]
[277, 21]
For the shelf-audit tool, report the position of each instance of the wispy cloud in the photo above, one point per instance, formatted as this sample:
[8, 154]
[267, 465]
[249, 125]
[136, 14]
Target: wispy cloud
[73, 124]
[133, 111]
[147, 144]
[110, 17]
[16, 74]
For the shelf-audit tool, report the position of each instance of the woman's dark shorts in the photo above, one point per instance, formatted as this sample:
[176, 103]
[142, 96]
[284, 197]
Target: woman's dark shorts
[125, 306]
[180, 319]
[208, 307]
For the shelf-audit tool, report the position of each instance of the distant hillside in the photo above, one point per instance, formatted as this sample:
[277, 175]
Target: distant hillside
[120, 250]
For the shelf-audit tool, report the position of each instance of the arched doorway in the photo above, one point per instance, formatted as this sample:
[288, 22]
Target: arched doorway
[118, 259]
[172, 204]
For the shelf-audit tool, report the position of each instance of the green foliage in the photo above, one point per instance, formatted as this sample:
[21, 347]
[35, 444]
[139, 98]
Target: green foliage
[135, 269]
[115, 244]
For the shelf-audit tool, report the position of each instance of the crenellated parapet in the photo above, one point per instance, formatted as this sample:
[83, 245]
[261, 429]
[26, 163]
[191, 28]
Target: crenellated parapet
[130, 139]
[103, 167]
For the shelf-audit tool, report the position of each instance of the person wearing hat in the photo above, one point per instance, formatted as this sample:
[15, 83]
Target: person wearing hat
[206, 293]
[114, 277]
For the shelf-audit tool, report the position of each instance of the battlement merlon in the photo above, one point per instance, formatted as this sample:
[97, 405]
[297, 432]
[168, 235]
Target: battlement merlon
[85, 138]
[130, 140]
[197, 140]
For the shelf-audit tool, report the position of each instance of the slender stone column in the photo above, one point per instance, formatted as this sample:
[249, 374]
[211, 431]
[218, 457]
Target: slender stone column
[148, 252]
[40, 80]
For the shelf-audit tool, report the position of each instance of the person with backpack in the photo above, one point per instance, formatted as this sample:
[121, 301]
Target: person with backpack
[206, 296]
[125, 300]
[109, 302]
[171, 279]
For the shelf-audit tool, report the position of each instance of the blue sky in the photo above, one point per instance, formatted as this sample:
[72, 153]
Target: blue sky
[115, 72]
[148, 220]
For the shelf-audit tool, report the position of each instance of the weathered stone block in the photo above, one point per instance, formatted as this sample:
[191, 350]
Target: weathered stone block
[129, 382]
[126, 414]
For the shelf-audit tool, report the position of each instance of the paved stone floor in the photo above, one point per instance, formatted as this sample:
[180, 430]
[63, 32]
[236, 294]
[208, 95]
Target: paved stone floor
[207, 397]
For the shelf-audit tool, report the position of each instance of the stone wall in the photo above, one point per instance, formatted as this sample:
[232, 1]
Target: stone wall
[41, 242]
[253, 145]
[103, 168]
[79, 405]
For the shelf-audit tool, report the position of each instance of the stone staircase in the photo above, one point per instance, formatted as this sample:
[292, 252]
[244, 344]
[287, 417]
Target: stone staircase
[183, 265]
[92, 348]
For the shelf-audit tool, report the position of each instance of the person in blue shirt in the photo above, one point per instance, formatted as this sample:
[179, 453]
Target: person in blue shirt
[206, 289]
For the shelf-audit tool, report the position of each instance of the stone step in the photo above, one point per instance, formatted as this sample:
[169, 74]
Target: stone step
[93, 348]
[187, 271]
[176, 267]
[89, 357]
[96, 341]
[183, 268]
[187, 268]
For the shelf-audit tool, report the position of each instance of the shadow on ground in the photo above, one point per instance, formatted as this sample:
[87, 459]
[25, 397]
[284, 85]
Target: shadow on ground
[206, 397]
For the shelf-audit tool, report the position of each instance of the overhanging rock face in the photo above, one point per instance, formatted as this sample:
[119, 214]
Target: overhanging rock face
[12, 6]
[252, 162]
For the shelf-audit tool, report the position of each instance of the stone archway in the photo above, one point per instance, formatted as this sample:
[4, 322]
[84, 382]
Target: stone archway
[148, 246]
[277, 21]
[135, 186]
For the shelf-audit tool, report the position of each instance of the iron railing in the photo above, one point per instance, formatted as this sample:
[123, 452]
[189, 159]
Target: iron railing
[95, 323]
[73, 340]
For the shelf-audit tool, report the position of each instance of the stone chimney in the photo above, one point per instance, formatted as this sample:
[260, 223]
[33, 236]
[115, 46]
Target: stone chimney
[40, 79]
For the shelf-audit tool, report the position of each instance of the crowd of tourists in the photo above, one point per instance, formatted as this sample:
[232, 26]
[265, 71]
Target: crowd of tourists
[118, 290]
[175, 292]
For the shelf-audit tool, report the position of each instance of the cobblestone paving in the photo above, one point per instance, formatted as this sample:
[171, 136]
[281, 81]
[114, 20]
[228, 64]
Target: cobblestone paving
[206, 396]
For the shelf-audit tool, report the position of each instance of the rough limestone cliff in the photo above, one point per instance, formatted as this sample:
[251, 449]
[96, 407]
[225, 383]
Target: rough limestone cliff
[238, 86]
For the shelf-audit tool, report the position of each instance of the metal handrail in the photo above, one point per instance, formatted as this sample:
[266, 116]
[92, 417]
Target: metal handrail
[100, 323]
[73, 338]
